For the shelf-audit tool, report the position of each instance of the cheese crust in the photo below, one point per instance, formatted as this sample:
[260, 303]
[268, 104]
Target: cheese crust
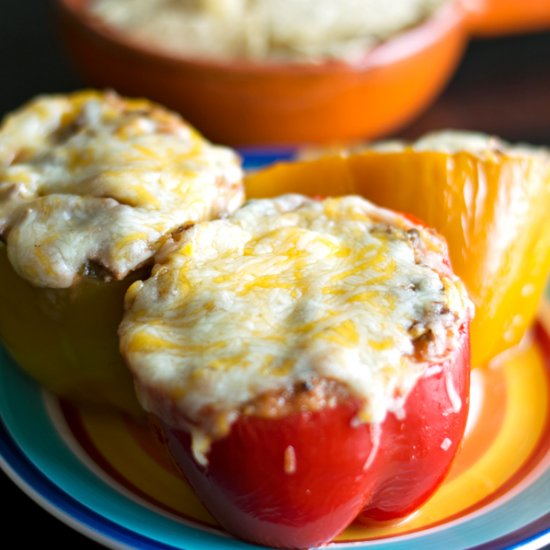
[286, 292]
[92, 182]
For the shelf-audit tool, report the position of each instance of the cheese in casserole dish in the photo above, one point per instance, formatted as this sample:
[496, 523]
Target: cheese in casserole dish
[285, 30]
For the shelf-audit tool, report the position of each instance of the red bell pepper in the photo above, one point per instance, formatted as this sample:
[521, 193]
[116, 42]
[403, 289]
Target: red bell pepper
[298, 481]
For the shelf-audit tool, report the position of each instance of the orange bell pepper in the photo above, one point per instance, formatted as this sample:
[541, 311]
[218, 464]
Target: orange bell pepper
[67, 338]
[492, 207]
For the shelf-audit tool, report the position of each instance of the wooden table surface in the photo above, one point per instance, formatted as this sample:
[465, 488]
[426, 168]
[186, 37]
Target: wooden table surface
[501, 87]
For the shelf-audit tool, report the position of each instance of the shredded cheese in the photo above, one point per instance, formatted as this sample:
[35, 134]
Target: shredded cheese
[460, 141]
[95, 177]
[286, 291]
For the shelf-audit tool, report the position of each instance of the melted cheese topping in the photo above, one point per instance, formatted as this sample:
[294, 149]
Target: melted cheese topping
[291, 290]
[264, 29]
[92, 177]
[457, 141]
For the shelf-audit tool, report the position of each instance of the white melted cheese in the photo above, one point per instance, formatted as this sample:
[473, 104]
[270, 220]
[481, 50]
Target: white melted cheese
[93, 177]
[264, 29]
[459, 141]
[291, 290]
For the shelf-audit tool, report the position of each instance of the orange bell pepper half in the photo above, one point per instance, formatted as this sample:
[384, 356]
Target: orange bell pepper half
[492, 207]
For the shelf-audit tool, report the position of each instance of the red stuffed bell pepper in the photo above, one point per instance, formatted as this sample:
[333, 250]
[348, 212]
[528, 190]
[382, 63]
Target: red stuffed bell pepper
[307, 362]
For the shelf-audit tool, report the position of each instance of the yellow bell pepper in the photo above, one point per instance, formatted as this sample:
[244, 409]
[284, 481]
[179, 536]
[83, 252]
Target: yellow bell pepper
[493, 207]
[67, 338]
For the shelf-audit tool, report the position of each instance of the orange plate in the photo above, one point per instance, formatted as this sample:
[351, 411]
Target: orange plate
[108, 476]
[247, 103]
[498, 458]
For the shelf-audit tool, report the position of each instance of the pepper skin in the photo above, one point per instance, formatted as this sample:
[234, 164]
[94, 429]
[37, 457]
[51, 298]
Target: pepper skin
[492, 209]
[66, 339]
[298, 481]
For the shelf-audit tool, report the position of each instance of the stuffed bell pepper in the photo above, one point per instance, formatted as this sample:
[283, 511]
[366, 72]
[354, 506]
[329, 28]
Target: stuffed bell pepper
[307, 362]
[489, 199]
[91, 185]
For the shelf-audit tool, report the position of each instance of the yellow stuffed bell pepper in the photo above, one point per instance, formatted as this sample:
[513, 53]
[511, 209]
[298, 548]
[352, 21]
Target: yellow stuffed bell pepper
[91, 186]
[489, 199]
[66, 338]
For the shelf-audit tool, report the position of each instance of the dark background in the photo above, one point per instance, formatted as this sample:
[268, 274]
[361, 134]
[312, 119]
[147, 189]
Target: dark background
[501, 87]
